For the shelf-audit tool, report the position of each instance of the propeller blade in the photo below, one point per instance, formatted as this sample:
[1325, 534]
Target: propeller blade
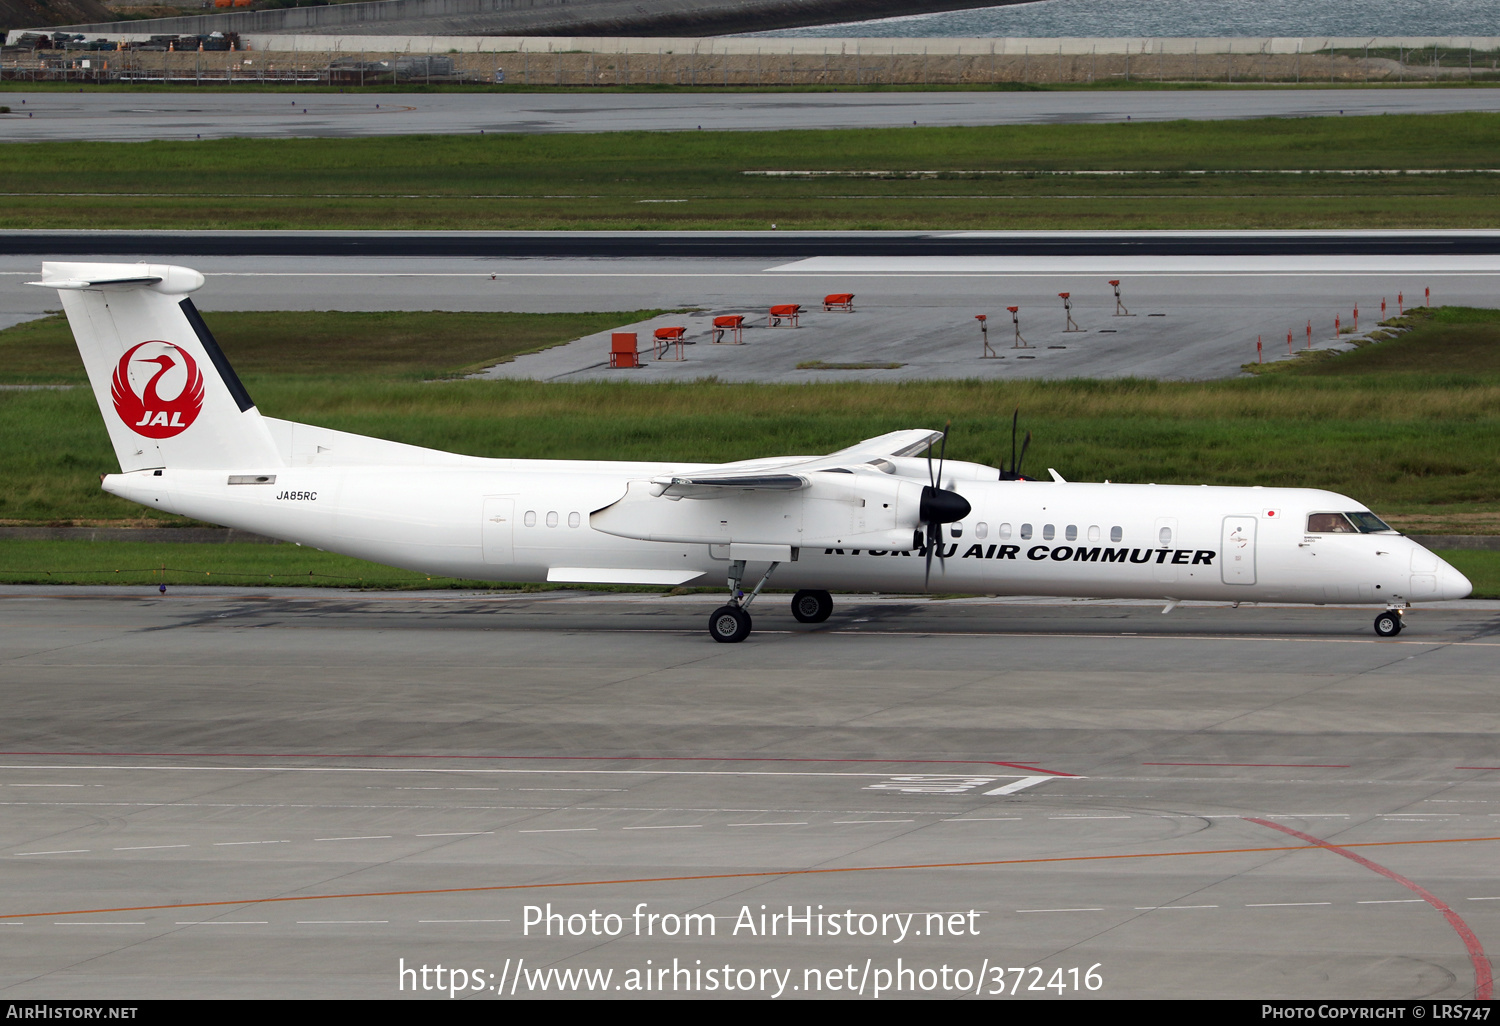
[1015, 421]
[942, 453]
[1025, 444]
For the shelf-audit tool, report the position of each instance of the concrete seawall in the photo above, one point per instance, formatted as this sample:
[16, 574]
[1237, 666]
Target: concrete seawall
[709, 63]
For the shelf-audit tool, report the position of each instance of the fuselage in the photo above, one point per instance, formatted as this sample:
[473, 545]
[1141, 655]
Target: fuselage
[529, 520]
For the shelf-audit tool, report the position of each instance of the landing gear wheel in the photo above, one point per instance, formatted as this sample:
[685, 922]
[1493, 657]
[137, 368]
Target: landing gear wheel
[1388, 624]
[812, 606]
[729, 624]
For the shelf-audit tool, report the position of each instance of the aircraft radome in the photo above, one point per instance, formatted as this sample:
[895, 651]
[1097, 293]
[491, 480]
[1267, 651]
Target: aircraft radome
[870, 517]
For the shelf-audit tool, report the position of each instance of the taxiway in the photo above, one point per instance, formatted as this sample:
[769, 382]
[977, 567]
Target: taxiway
[243, 793]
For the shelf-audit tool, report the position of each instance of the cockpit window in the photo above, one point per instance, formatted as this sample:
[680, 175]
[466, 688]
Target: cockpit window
[1369, 523]
[1329, 523]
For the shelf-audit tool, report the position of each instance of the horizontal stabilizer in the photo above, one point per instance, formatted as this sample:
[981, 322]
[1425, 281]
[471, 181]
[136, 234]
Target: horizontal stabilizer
[79, 283]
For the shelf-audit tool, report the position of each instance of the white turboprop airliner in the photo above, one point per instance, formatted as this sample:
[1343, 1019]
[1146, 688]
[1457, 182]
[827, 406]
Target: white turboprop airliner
[866, 518]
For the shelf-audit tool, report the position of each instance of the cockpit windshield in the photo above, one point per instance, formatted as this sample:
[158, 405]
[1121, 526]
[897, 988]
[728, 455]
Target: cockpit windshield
[1369, 523]
[1347, 523]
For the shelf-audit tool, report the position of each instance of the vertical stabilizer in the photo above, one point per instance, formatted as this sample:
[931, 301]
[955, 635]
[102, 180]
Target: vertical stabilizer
[167, 393]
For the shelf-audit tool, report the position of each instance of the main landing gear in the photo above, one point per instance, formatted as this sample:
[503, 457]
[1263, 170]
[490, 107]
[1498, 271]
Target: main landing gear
[1388, 624]
[731, 623]
[812, 606]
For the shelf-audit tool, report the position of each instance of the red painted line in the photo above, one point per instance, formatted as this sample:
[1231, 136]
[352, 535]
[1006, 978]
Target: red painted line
[1478, 767]
[1277, 765]
[543, 758]
[760, 874]
[1484, 976]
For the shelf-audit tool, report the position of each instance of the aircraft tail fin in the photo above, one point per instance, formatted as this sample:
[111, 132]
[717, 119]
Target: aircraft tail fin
[168, 394]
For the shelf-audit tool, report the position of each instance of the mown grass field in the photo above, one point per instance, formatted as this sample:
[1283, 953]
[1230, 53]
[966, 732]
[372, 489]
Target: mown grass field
[618, 180]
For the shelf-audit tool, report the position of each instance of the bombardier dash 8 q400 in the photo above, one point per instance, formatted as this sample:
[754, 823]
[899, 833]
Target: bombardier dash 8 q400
[870, 517]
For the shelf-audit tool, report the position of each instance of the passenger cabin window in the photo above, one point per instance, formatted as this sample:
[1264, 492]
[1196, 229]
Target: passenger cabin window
[530, 518]
[1094, 532]
[1329, 523]
[1048, 532]
[1165, 537]
[552, 518]
[574, 520]
[981, 530]
[1115, 534]
[1025, 532]
[956, 530]
[1005, 532]
[1072, 532]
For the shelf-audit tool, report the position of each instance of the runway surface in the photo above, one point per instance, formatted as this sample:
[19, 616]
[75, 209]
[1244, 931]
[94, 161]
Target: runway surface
[250, 794]
[1196, 314]
[129, 117]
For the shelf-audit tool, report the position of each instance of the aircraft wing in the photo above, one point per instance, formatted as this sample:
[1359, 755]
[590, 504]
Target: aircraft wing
[788, 474]
[895, 443]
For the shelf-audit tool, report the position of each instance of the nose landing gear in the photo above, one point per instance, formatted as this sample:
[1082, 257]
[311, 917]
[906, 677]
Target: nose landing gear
[1388, 624]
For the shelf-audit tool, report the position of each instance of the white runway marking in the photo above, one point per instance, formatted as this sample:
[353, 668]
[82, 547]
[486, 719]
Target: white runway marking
[847, 822]
[1287, 904]
[1021, 785]
[1167, 908]
[459, 833]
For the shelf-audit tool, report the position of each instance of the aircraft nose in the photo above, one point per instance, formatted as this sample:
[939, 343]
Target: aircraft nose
[1451, 583]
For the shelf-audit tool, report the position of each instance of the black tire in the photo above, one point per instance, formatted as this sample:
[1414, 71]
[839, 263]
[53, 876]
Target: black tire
[812, 606]
[729, 624]
[1388, 624]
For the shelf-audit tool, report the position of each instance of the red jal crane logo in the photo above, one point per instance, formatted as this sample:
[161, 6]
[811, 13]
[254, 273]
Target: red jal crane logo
[144, 410]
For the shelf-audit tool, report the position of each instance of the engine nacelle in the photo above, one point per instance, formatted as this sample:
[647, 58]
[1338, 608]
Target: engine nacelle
[862, 510]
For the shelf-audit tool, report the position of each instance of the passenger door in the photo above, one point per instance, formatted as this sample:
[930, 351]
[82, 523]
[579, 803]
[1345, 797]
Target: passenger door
[499, 530]
[1238, 547]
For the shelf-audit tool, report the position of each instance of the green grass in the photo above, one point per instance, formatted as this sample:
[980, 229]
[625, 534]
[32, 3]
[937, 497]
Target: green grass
[1453, 340]
[1410, 426]
[576, 181]
[1480, 567]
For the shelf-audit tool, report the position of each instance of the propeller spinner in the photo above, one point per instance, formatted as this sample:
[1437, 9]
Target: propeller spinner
[939, 506]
